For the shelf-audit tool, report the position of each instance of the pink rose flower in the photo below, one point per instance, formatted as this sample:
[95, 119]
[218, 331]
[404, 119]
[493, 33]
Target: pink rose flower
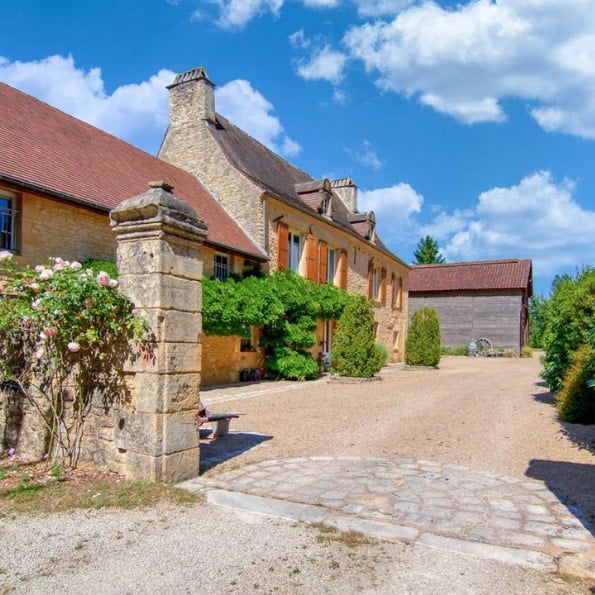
[75, 265]
[39, 353]
[4, 255]
[103, 279]
[52, 331]
[73, 347]
[46, 274]
[36, 287]
[35, 304]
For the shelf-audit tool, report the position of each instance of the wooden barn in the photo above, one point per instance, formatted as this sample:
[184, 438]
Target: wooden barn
[476, 299]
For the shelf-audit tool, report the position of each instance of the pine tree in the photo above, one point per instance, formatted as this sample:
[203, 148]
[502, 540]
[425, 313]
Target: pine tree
[427, 252]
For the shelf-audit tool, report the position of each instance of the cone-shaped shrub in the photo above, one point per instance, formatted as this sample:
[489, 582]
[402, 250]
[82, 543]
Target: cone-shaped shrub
[423, 339]
[354, 352]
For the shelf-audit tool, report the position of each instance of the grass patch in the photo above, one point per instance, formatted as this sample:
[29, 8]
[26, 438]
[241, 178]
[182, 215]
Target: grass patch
[34, 489]
[444, 350]
[348, 538]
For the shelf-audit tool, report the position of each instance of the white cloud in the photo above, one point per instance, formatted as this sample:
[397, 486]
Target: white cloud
[299, 40]
[393, 206]
[137, 112]
[324, 64]
[375, 8]
[249, 110]
[464, 61]
[321, 3]
[538, 218]
[339, 96]
[368, 156]
[236, 14]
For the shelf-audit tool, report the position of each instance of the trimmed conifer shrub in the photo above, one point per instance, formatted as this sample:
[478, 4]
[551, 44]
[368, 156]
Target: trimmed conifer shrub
[576, 398]
[354, 352]
[422, 347]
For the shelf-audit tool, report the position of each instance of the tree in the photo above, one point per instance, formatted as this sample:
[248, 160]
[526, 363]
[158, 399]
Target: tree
[427, 252]
[423, 339]
[569, 324]
[354, 352]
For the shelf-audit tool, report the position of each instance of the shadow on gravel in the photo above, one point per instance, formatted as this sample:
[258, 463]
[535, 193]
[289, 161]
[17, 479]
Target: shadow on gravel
[572, 483]
[547, 398]
[218, 450]
[582, 435]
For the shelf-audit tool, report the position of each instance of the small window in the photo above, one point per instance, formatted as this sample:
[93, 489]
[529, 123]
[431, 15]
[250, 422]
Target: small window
[7, 221]
[294, 256]
[376, 284]
[331, 265]
[249, 343]
[221, 268]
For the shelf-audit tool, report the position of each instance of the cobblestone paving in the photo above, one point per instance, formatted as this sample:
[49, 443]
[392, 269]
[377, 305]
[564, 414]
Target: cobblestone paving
[443, 499]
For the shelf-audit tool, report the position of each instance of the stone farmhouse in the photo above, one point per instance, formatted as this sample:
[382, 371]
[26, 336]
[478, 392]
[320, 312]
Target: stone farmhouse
[60, 178]
[475, 300]
[310, 226]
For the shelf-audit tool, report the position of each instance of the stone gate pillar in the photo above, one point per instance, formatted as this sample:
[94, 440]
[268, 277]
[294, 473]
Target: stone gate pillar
[159, 240]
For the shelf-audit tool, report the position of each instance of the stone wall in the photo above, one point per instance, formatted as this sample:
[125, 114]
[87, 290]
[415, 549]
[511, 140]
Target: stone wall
[222, 359]
[51, 227]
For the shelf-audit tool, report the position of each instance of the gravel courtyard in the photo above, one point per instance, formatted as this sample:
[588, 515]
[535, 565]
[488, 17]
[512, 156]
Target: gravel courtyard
[486, 414]
[491, 414]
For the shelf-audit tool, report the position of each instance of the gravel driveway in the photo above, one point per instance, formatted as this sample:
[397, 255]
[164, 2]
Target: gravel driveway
[486, 414]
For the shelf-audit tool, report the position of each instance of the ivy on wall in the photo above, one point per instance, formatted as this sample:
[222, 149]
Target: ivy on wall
[287, 308]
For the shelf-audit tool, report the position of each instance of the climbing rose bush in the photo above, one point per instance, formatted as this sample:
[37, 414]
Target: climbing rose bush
[65, 334]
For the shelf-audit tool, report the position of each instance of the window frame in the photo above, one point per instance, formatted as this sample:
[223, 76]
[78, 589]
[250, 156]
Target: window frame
[219, 267]
[9, 214]
[295, 239]
[333, 256]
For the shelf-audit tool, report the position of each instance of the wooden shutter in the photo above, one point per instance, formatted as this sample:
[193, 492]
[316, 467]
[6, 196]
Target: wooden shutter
[371, 279]
[283, 246]
[343, 262]
[383, 286]
[311, 258]
[322, 262]
[393, 290]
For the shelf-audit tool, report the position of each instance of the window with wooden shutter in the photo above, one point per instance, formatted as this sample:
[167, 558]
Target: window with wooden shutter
[322, 262]
[283, 246]
[311, 258]
[371, 279]
[343, 269]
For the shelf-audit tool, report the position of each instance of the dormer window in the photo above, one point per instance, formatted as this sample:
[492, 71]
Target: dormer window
[325, 206]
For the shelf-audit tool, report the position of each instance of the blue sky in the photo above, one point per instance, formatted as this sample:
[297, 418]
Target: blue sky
[471, 121]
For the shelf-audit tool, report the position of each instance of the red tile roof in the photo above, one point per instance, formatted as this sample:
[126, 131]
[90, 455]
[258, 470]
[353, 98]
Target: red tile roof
[51, 151]
[470, 276]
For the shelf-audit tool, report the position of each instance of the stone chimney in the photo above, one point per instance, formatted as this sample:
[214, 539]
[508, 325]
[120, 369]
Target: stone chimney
[191, 98]
[347, 192]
